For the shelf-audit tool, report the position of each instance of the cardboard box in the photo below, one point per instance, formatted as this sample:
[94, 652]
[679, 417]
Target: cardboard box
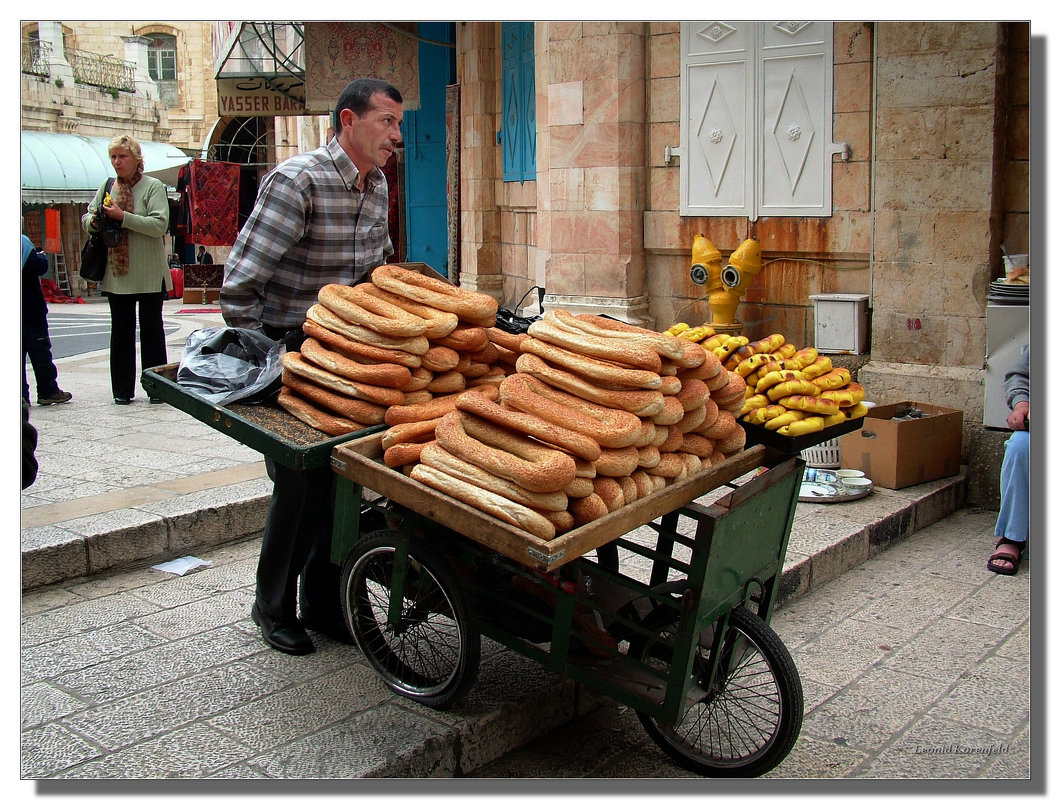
[196, 294]
[901, 453]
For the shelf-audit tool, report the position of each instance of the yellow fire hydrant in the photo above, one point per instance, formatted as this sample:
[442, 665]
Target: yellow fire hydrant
[725, 286]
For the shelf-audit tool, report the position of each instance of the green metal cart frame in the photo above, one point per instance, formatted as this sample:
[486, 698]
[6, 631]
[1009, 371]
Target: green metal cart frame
[663, 604]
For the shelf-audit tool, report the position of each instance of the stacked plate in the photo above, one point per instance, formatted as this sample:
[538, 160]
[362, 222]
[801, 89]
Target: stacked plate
[1009, 294]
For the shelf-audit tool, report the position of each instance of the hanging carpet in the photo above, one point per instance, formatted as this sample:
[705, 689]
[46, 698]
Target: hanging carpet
[340, 51]
[213, 202]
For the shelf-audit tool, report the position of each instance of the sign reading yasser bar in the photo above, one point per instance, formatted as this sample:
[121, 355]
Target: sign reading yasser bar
[254, 97]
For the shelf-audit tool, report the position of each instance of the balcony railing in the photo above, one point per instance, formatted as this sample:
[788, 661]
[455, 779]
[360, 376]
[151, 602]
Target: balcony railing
[36, 58]
[105, 71]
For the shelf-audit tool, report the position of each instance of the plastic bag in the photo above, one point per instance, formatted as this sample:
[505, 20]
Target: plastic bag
[223, 365]
[513, 323]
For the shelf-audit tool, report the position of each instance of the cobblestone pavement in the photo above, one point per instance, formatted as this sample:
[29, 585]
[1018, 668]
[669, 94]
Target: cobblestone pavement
[915, 664]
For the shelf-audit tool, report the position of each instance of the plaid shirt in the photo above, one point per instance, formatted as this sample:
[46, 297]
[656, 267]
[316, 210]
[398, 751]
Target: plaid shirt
[310, 227]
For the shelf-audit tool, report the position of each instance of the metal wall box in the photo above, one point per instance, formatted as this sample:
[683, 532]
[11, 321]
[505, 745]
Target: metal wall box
[841, 323]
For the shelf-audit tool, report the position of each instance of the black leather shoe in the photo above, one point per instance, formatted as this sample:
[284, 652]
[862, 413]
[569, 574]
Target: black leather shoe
[284, 637]
[330, 626]
[122, 401]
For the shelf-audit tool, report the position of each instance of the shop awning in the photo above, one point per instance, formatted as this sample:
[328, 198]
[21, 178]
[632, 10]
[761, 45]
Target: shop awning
[67, 168]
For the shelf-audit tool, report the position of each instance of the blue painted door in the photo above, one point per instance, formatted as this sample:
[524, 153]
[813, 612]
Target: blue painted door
[424, 131]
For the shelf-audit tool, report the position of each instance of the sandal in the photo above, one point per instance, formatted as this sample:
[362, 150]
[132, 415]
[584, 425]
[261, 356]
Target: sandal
[1004, 553]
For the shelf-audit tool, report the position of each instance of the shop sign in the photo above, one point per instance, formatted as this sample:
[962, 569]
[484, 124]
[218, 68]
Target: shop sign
[256, 97]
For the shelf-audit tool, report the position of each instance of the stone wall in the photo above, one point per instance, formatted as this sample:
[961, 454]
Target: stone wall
[802, 256]
[197, 110]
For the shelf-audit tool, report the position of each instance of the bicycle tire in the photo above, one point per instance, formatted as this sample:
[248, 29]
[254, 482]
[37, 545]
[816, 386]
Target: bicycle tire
[432, 655]
[751, 720]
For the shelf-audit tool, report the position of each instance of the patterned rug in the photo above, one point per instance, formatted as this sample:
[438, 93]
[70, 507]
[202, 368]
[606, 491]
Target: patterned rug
[339, 51]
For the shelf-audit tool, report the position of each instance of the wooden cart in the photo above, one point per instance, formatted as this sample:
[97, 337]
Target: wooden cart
[663, 604]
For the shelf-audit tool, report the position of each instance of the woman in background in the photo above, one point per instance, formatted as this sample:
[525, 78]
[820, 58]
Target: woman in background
[137, 266]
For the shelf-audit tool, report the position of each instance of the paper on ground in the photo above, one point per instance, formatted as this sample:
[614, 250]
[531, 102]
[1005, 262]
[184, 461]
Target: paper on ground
[182, 565]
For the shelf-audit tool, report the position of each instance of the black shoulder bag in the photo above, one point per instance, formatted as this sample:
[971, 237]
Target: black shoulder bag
[94, 254]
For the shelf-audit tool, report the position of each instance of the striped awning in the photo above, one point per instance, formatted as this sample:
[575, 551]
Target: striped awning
[67, 168]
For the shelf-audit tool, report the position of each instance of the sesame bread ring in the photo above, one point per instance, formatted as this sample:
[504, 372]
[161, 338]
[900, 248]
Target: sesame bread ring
[529, 464]
[382, 396]
[732, 443]
[708, 368]
[464, 338]
[592, 368]
[447, 383]
[649, 456]
[691, 464]
[563, 521]
[470, 307]
[359, 307]
[610, 491]
[647, 435]
[417, 396]
[419, 378]
[697, 444]
[361, 351]
[421, 431]
[403, 453]
[641, 402]
[494, 375]
[580, 487]
[506, 339]
[315, 416]
[697, 418]
[674, 440]
[719, 428]
[617, 461]
[732, 393]
[611, 428]
[430, 410]
[671, 348]
[628, 353]
[718, 381]
[382, 375]
[439, 323]
[670, 467]
[486, 501]
[672, 413]
[628, 487]
[693, 394]
[434, 455]
[525, 423]
[326, 318]
[585, 510]
[439, 359]
[358, 411]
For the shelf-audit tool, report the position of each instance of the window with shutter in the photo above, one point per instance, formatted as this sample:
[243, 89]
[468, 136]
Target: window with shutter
[518, 136]
[756, 118]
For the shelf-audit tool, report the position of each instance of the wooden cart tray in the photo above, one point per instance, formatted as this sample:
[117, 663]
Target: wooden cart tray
[758, 435]
[359, 461]
[266, 427]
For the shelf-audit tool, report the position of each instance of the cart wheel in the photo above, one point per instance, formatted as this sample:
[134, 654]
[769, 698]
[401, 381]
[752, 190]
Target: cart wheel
[431, 653]
[750, 721]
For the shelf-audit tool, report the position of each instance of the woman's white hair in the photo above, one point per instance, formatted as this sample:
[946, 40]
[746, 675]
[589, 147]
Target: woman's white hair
[130, 145]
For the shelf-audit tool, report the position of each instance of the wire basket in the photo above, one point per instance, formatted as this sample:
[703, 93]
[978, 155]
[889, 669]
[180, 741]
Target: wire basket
[825, 454]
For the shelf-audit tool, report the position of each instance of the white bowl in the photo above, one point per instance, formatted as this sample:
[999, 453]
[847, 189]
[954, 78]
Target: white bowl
[850, 474]
[857, 483]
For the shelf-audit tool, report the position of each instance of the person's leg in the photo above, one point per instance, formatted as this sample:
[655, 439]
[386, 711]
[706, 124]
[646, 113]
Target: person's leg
[283, 551]
[36, 343]
[320, 607]
[122, 345]
[1013, 520]
[281, 557]
[151, 330]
